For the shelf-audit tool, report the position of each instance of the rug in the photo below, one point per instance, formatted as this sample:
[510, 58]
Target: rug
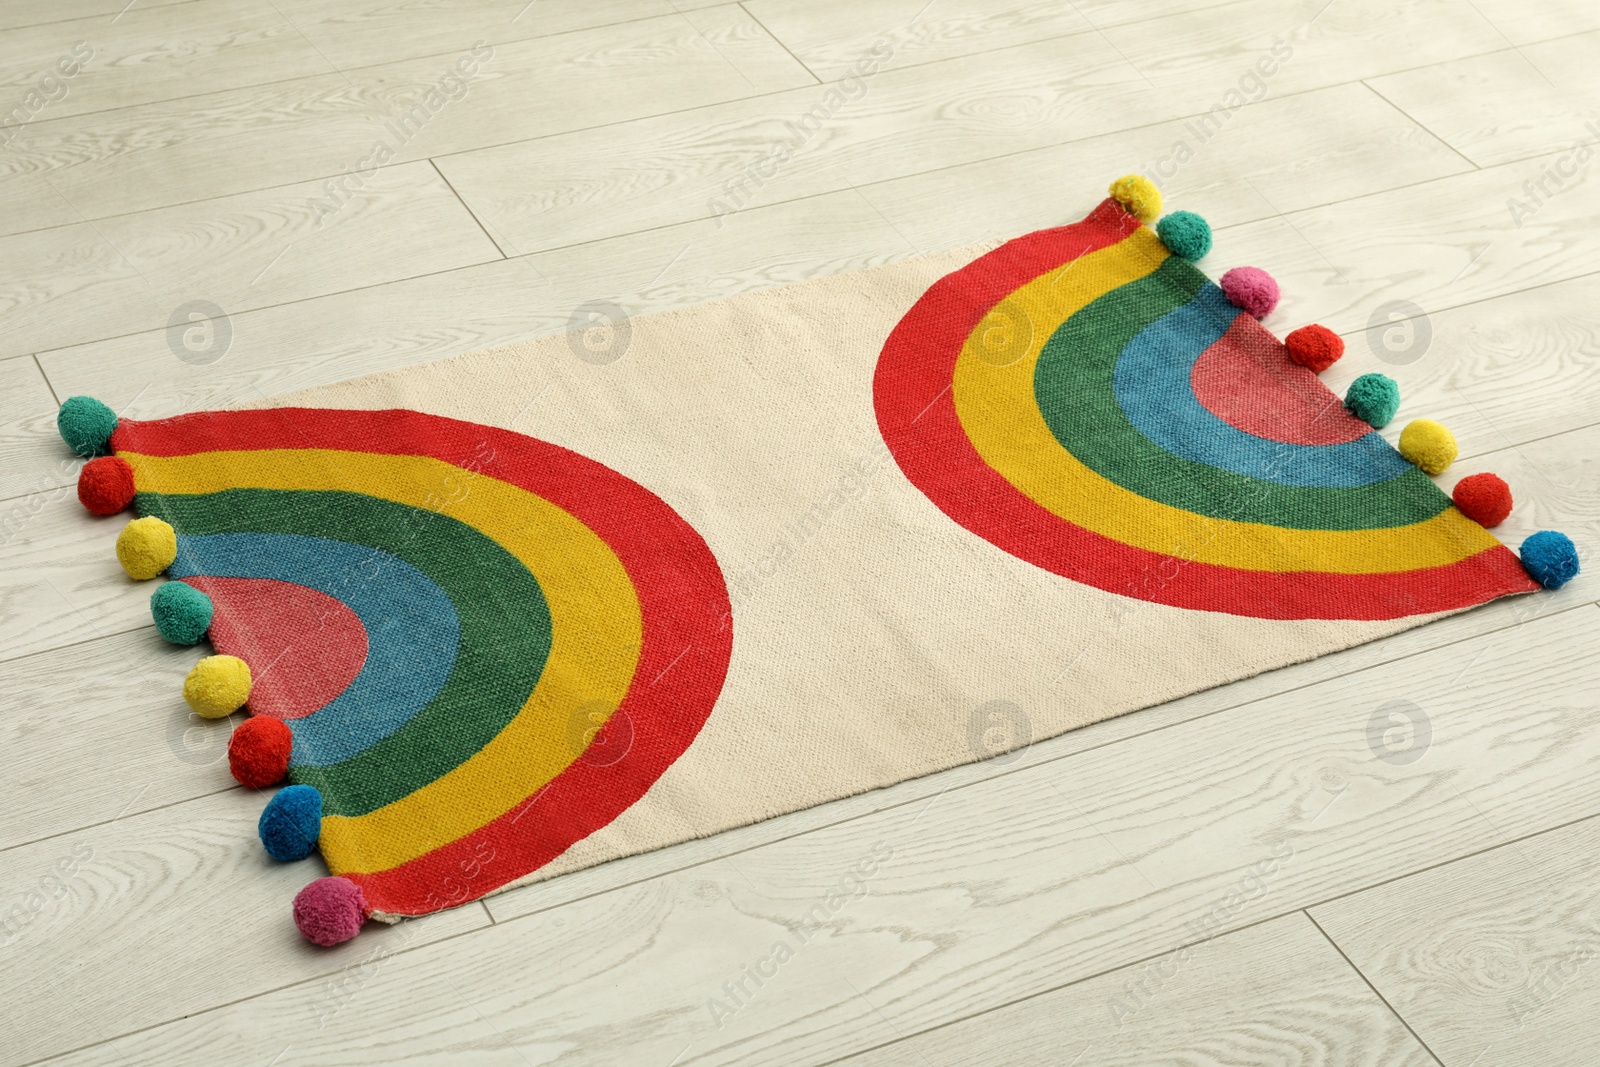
[534, 608]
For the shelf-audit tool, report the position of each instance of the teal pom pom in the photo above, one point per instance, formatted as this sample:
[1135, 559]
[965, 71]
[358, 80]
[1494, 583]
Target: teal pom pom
[291, 823]
[1374, 399]
[1185, 234]
[182, 612]
[86, 425]
[1550, 558]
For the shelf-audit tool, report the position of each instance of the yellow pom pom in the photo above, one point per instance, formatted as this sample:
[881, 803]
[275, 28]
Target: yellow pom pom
[1428, 445]
[217, 686]
[1139, 195]
[146, 547]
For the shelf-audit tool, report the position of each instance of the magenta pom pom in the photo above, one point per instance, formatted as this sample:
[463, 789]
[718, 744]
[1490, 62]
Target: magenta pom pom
[330, 910]
[1250, 289]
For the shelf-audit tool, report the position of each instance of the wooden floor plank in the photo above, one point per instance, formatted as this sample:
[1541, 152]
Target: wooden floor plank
[31, 457]
[832, 36]
[1491, 959]
[152, 53]
[1301, 150]
[185, 899]
[1536, 101]
[18, 13]
[364, 33]
[319, 126]
[989, 895]
[133, 272]
[1273, 993]
[1437, 245]
[1299, 46]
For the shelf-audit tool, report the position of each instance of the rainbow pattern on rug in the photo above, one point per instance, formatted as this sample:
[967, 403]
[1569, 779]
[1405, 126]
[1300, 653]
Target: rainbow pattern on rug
[464, 650]
[463, 630]
[1106, 412]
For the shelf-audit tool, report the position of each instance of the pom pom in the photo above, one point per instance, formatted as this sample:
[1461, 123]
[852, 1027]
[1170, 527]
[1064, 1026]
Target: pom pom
[258, 751]
[182, 612]
[1550, 558]
[291, 823]
[86, 425]
[105, 485]
[1428, 445]
[1185, 234]
[1483, 498]
[1374, 399]
[146, 547]
[217, 686]
[330, 910]
[1139, 195]
[1314, 347]
[1250, 289]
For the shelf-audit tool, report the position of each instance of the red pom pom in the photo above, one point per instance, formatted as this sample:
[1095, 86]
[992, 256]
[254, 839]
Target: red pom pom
[105, 485]
[258, 752]
[1483, 498]
[1315, 347]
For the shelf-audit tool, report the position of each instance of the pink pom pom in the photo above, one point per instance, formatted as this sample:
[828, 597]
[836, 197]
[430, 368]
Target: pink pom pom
[1250, 289]
[330, 910]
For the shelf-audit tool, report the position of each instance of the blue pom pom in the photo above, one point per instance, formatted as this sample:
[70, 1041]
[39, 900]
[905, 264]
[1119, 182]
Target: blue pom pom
[1374, 399]
[86, 425]
[1550, 558]
[1185, 234]
[182, 612]
[291, 823]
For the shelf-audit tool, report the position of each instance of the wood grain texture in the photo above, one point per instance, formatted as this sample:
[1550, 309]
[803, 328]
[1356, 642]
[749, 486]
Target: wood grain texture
[831, 36]
[18, 13]
[1300, 150]
[114, 702]
[31, 459]
[361, 33]
[1498, 372]
[991, 894]
[155, 53]
[1438, 245]
[184, 897]
[316, 127]
[1492, 959]
[1320, 43]
[98, 279]
[1538, 100]
[1273, 993]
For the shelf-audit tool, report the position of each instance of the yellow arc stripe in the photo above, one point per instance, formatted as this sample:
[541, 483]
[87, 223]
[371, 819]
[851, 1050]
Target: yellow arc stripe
[1000, 414]
[596, 630]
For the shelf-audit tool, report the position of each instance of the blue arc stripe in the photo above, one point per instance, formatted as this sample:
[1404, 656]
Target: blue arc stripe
[1153, 388]
[413, 632]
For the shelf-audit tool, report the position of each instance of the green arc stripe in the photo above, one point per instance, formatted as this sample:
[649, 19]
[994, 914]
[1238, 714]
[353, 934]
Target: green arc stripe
[1073, 385]
[505, 626]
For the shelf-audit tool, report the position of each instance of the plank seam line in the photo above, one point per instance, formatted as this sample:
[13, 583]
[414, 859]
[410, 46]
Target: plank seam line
[779, 42]
[1419, 124]
[1383, 999]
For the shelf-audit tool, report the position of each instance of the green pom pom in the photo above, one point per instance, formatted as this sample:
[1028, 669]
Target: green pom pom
[182, 612]
[86, 425]
[1185, 234]
[1374, 399]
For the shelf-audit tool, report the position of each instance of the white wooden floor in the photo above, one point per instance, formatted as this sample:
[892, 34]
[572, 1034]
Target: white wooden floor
[1233, 878]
